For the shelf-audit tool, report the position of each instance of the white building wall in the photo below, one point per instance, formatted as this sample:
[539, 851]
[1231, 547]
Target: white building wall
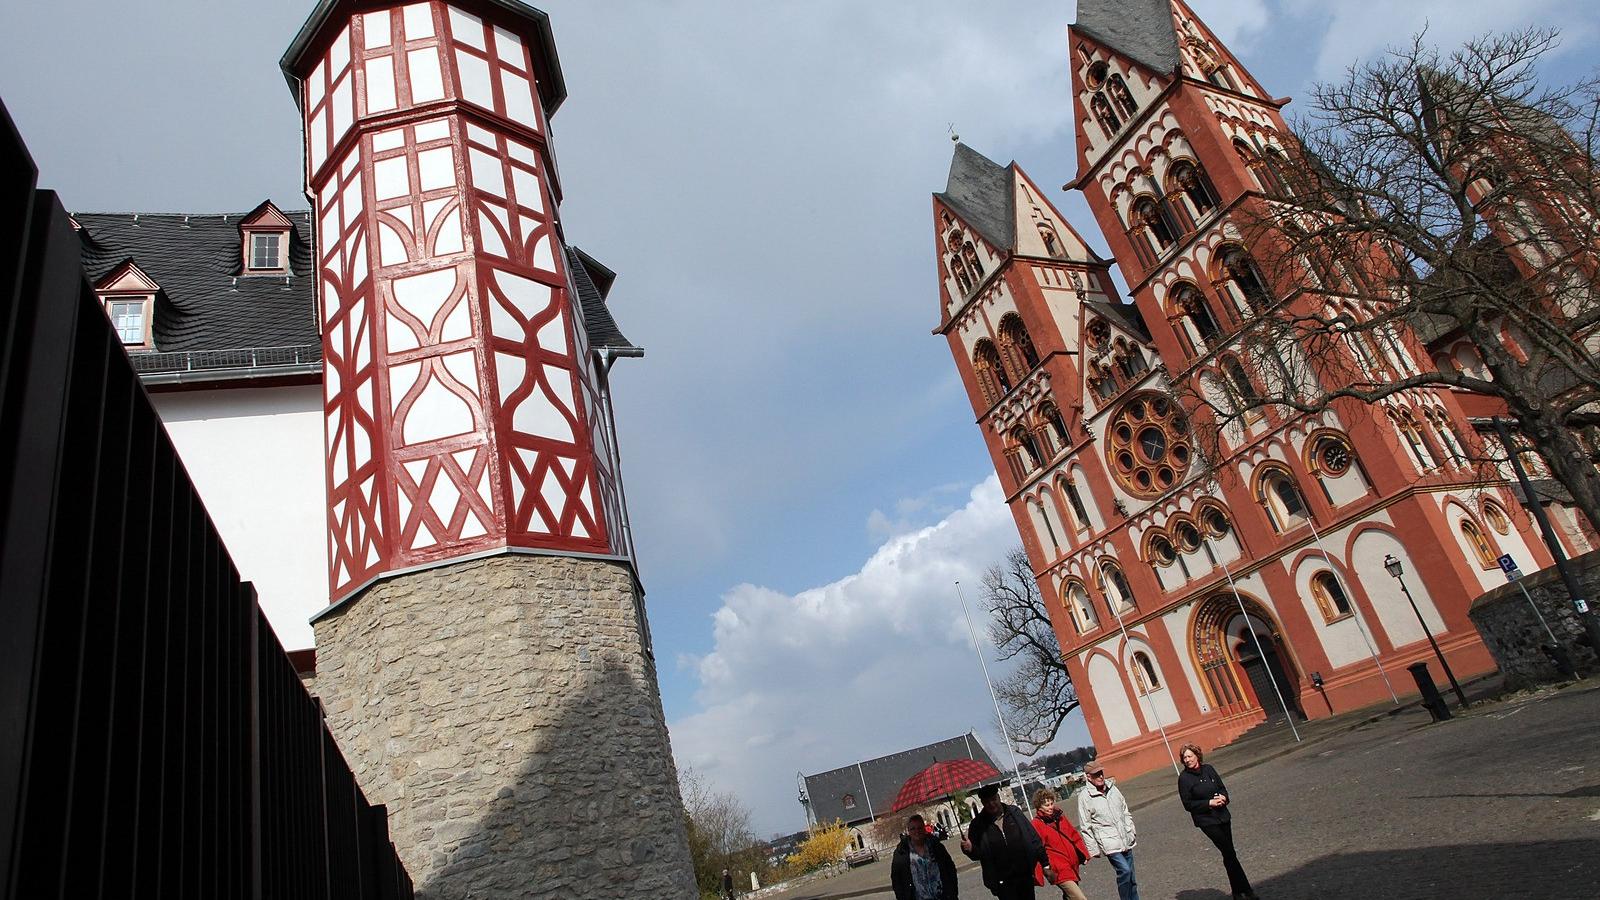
[255, 455]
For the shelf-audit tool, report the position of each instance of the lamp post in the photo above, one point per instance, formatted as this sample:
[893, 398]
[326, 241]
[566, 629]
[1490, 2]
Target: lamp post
[1395, 569]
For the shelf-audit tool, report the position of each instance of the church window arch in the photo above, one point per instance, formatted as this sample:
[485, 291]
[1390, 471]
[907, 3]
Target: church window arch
[1150, 217]
[1496, 516]
[1101, 108]
[1186, 179]
[1050, 415]
[970, 254]
[959, 270]
[1265, 178]
[1095, 78]
[1445, 433]
[1241, 389]
[1074, 499]
[1276, 166]
[1103, 381]
[1024, 440]
[1043, 517]
[1098, 334]
[1052, 243]
[1018, 346]
[1488, 556]
[1187, 299]
[1144, 673]
[1330, 597]
[1121, 97]
[1238, 276]
[1281, 499]
[1406, 424]
[992, 378]
[1159, 549]
[1076, 598]
[1114, 585]
[1130, 360]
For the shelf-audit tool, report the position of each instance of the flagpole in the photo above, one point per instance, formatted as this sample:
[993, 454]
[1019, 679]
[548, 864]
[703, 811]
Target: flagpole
[1001, 719]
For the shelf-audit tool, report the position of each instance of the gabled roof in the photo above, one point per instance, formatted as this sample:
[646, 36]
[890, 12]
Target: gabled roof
[206, 302]
[1141, 30]
[979, 191]
[1125, 315]
[267, 215]
[884, 777]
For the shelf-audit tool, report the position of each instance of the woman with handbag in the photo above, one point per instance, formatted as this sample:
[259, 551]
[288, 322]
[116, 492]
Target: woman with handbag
[1062, 843]
[1206, 798]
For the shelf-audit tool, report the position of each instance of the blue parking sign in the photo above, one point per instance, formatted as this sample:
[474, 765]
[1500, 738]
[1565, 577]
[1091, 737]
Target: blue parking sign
[1507, 564]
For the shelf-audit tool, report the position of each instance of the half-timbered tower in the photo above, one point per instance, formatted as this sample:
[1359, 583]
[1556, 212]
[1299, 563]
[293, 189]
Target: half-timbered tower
[1198, 584]
[485, 658]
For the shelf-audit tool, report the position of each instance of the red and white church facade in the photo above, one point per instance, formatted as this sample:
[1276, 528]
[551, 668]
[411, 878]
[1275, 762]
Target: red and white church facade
[1187, 598]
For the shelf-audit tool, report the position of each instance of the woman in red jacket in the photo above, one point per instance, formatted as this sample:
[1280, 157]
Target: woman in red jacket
[1062, 843]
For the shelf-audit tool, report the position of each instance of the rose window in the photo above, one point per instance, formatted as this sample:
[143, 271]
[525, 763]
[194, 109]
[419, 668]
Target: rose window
[1147, 445]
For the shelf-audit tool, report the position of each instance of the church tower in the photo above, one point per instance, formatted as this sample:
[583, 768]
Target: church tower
[1201, 582]
[485, 658]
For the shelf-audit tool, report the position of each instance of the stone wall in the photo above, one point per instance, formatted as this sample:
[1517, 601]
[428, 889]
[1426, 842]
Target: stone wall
[1514, 635]
[506, 712]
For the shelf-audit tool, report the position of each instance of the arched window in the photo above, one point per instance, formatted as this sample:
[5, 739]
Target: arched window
[1488, 557]
[1215, 521]
[1144, 673]
[1104, 382]
[1076, 501]
[1238, 274]
[970, 254]
[1121, 97]
[1185, 178]
[1131, 362]
[1281, 499]
[1496, 517]
[960, 272]
[1018, 346]
[1187, 298]
[1115, 586]
[1264, 176]
[1446, 435]
[1153, 219]
[1077, 602]
[1052, 244]
[1051, 414]
[1024, 440]
[848, 801]
[1043, 517]
[1330, 597]
[1278, 172]
[1239, 383]
[1420, 454]
[992, 377]
[1161, 551]
[1109, 123]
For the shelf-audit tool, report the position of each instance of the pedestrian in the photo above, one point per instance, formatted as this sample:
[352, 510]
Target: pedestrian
[1107, 827]
[1062, 843]
[1003, 840]
[921, 868]
[727, 885]
[1206, 798]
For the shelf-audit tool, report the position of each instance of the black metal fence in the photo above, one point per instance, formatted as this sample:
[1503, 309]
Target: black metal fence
[154, 738]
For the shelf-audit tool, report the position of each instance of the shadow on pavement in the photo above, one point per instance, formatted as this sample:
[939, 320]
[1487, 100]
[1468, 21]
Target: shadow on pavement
[1550, 870]
[1592, 790]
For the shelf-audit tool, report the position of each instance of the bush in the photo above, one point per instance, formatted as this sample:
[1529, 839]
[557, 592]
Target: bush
[825, 846]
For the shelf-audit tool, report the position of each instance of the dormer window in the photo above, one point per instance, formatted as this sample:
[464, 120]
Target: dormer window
[264, 243]
[266, 250]
[129, 298]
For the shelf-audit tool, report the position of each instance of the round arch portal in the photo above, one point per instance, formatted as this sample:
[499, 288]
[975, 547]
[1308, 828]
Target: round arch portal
[1237, 675]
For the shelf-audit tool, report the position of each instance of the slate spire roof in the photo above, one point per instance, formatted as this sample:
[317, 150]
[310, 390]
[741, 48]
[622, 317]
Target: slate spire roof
[979, 190]
[1141, 30]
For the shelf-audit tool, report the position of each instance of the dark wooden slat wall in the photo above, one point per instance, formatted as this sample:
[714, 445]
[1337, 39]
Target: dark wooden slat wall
[155, 740]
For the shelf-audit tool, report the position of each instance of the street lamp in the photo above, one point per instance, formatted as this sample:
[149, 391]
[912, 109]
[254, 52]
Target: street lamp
[1395, 569]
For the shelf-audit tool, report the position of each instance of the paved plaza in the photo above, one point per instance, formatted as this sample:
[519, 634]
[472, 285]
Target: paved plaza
[1500, 802]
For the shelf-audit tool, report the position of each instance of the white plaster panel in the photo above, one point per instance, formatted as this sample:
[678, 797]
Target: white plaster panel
[508, 47]
[380, 83]
[436, 413]
[1395, 617]
[375, 29]
[1116, 712]
[466, 28]
[1176, 622]
[418, 21]
[474, 75]
[275, 521]
[427, 82]
[518, 94]
[1341, 640]
[390, 178]
[432, 130]
[436, 168]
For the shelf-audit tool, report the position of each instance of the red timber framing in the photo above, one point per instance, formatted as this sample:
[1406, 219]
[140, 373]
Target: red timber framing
[463, 409]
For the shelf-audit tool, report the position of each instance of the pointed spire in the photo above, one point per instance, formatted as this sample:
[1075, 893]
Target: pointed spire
[1141, 30]
[980, 191]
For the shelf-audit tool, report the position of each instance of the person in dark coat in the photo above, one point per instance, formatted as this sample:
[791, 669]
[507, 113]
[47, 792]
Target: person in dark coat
[1206, 798]
[921, 868]
[1003, 840]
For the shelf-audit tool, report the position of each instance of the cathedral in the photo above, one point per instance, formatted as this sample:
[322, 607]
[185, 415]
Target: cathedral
[1198, 587]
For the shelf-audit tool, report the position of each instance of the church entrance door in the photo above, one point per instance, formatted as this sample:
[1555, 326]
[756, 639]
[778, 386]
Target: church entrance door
[1238, 676]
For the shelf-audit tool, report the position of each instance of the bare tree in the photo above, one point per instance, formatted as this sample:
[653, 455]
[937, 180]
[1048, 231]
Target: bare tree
[1424, 199]
[1038, 693]
[720, 836]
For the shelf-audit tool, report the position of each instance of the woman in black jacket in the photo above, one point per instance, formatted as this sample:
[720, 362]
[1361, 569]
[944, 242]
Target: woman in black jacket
[931, 856]
[1206, 798]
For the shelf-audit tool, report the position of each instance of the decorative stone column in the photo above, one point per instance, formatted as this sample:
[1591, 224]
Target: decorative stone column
[484, 660]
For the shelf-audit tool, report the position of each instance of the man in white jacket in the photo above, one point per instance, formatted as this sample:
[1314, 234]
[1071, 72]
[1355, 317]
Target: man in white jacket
[1107, 827]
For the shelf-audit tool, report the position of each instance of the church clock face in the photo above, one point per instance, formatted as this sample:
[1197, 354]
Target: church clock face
[1147, 445]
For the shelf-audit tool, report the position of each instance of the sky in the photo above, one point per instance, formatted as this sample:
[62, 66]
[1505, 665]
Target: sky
[805, 478]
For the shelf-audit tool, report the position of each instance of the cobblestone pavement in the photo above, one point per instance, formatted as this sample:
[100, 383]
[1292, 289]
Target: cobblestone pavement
[1500, 802]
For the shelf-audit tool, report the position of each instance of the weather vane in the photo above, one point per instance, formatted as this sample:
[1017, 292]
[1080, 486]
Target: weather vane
[956, 138]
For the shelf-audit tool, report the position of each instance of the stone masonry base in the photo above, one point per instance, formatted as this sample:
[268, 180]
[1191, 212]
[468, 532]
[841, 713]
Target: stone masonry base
[505, 711]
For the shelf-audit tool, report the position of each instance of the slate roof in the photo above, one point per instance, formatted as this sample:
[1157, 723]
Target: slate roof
[884, 777]
[1141, 30]
[980, 191]
[1125, 314]
[206, 302]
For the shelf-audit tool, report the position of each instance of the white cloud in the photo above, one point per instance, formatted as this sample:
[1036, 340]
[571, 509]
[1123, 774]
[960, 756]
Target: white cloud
[874, 662]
